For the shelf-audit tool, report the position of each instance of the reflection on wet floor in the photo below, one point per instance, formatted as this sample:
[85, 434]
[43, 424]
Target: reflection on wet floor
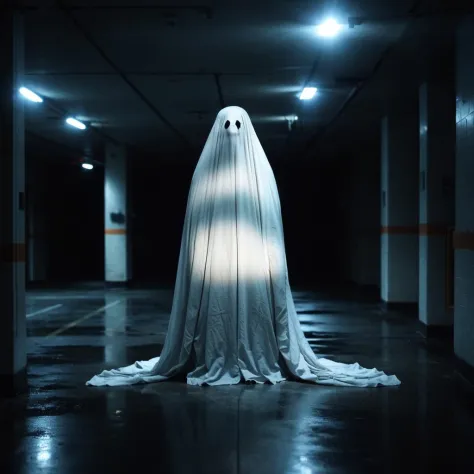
[62, 426]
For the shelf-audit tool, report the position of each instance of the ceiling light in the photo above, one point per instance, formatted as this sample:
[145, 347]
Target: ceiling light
[75, 123]
[329, 28]
[87, 166]
[308, 93]
[30, 95]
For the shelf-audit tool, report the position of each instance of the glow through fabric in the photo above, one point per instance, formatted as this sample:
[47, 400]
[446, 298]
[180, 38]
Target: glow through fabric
[233, 317]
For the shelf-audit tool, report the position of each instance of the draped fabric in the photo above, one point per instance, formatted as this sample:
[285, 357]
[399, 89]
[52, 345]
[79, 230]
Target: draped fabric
[233, 317]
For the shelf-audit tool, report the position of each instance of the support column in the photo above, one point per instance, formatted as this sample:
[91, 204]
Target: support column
[399, 207]
[437, 156]
[12, 202]
[117, 261]
[464, 232]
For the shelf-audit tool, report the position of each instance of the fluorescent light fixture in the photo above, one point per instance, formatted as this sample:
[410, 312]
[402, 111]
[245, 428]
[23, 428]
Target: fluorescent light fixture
[329, 28]
[30, 95]
[308, 93]
[87, 166]
[75, 123]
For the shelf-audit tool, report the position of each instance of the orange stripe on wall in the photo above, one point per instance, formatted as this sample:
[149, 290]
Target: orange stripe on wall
[422, 229]
[433, 229]
[463, 240]
[115, 231]
[399, 229]
[13, 253]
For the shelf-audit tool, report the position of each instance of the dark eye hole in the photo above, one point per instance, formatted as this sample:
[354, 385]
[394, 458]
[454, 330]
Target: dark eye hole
[238, 124]
[227, 124]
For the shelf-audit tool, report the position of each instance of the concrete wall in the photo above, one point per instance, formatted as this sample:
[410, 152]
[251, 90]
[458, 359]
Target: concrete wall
[413, 61]
[464, 254]
[36, 222]
[436, 198]
[399, 209]
[362, 206]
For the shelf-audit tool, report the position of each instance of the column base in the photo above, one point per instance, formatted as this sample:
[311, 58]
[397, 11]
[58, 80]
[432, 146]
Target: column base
[12, 385]
[436, 331]
[118, 284]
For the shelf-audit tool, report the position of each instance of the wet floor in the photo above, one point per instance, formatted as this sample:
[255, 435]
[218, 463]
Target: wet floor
[61, 426]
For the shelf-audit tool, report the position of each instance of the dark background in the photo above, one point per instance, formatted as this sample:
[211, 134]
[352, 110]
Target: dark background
[73, 203]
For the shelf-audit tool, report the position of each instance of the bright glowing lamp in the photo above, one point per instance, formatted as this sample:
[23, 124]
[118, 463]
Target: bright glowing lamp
[308, 93]
[30, 95]
[329, 28]
[87, 166]
[75, 123]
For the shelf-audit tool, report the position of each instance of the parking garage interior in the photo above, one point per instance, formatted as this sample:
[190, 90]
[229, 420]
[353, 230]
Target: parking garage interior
[365, 110]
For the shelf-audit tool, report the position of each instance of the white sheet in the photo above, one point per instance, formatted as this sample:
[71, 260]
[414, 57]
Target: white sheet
[233, 317]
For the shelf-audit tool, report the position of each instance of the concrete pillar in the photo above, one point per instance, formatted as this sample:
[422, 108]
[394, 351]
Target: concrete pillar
[399, 207]
[12, 205]
[464, 195]
[437, 156]
[117, 260]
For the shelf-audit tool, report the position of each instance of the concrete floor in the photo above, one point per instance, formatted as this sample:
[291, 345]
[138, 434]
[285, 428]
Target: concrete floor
[61, 426]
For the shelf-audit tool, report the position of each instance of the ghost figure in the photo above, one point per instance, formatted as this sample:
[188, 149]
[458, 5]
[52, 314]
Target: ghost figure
[233, 317]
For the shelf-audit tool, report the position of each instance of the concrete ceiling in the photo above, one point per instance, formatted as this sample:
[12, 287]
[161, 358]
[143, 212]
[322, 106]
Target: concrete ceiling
[154, 77]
